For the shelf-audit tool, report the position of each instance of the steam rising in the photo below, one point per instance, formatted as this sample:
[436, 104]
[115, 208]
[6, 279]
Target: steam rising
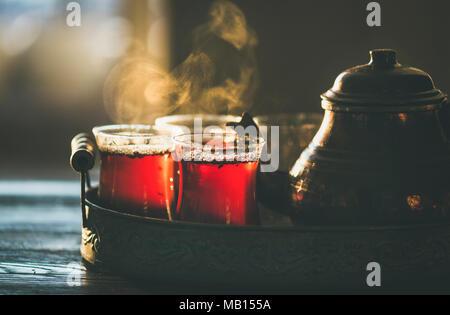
[228, 22]
[219, 76]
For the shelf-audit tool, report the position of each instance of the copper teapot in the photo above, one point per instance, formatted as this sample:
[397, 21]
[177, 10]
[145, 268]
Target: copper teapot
[381, 155]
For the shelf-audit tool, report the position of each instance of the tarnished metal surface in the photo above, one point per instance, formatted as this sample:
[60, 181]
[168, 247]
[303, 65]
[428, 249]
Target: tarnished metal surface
[381, 155]
[289, 258]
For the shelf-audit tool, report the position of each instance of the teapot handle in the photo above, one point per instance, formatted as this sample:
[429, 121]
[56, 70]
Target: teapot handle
[82, 159]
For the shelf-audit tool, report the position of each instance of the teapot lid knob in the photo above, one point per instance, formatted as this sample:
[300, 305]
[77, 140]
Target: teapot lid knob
[383, 58]
[383, 85]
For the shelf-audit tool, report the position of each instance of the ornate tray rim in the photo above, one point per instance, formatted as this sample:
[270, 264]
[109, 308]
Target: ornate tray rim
[91, 198]
[264, 257]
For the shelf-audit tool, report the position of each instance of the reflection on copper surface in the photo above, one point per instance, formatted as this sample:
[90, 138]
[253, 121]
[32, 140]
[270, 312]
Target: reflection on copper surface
[415, 202]
[403, 117]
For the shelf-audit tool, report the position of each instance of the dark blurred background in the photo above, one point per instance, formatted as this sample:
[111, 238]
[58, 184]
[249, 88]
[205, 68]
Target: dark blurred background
[52, 75]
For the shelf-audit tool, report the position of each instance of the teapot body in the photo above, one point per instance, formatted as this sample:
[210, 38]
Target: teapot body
[373, 168]
[376, 163]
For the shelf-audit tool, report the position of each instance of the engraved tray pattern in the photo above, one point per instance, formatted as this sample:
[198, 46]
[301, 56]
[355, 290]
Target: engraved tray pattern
[296, 258]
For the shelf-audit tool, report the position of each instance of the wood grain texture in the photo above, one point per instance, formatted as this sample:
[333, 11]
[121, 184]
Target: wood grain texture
[40, 235]
[39, 247]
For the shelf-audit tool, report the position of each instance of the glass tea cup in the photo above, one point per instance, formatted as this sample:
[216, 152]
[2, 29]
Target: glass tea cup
[295, 132]
[218, 177]
[136, 169]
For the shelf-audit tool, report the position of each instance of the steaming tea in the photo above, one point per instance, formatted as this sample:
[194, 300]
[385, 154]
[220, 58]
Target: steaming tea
[136, 170]
[218, 182]
[219, 192]
[140, 183]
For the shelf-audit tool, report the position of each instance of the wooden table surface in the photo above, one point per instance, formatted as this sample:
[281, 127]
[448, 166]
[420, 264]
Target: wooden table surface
[40, 224]
[40, 234]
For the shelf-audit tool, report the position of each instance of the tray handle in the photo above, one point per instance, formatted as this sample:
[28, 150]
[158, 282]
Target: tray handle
[82, 159]
[83, 153]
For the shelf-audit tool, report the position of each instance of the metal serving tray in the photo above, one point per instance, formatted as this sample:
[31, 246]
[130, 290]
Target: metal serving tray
[293, 258]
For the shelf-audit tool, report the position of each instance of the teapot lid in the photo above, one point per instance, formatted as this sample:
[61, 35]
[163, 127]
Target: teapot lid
[382, 85]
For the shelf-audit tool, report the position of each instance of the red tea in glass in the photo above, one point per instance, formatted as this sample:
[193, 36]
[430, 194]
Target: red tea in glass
[215, 187]
[136, 170]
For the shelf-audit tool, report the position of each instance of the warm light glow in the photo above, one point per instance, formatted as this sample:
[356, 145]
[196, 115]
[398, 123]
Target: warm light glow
[415, 202]
[139, 88]
[158, 37]
[403, 117]
[19, 35]
[111, 37]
